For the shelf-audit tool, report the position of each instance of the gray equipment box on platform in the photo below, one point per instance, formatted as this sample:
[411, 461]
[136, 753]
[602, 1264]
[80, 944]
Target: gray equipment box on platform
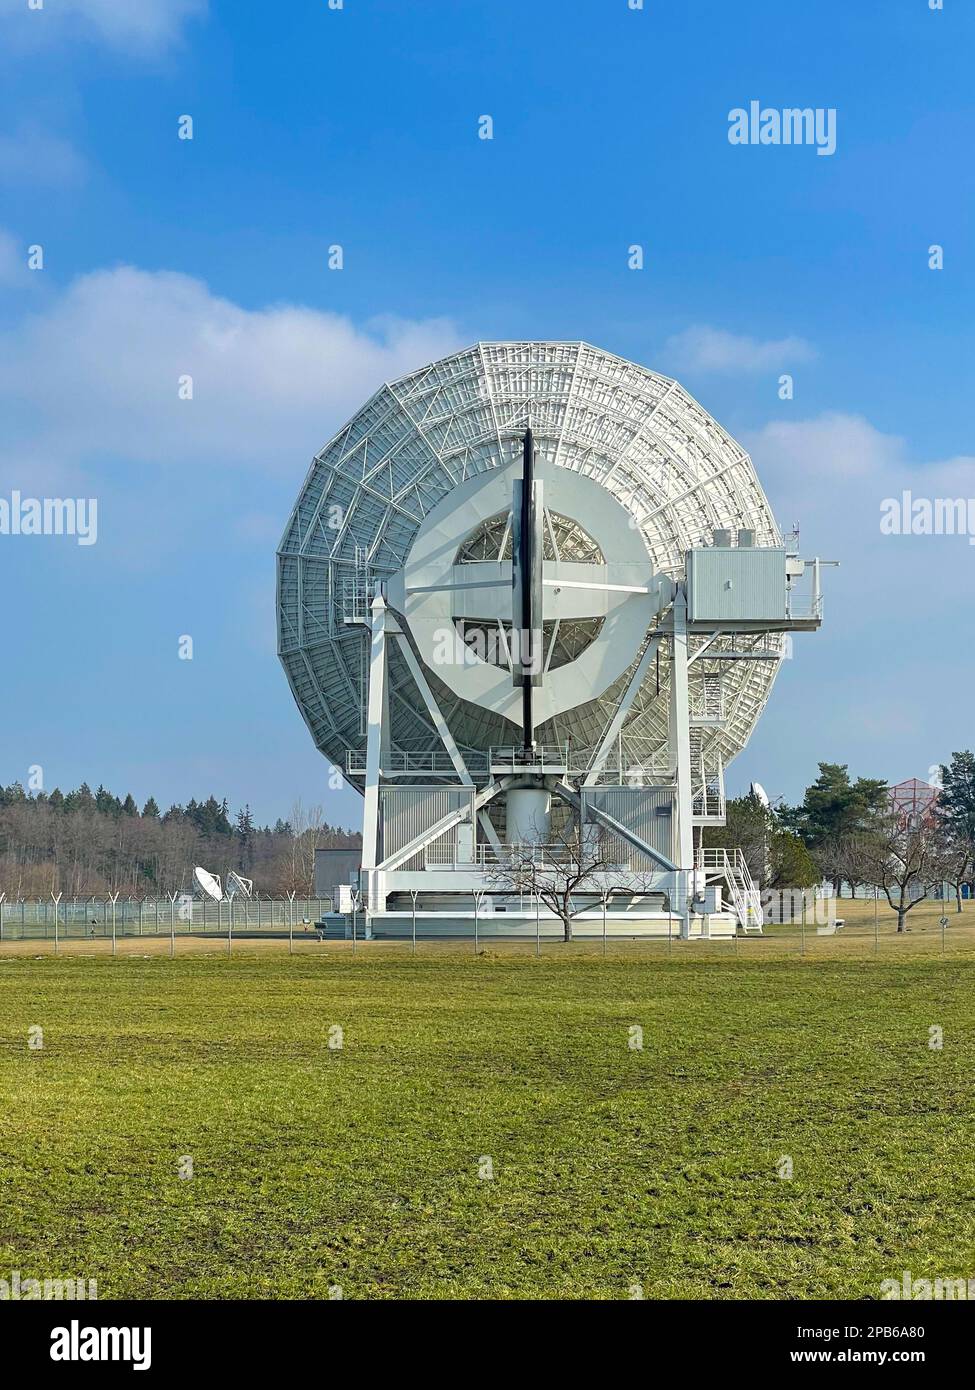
[335, 868]
[736, 584]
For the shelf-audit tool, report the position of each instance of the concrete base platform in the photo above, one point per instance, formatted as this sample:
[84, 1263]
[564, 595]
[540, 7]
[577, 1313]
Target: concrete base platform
[515, 926]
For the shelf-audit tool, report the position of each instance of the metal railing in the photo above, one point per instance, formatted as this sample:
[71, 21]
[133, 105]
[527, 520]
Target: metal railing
[733, 867]
[708, 802]
[804, 605]
[708, 857]
[355, 591]
[547, 757]
[635, 768]
[487, 857]
[398, 762]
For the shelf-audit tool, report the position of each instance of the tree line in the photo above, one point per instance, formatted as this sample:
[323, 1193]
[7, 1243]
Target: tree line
[851, 833]
[83, 843]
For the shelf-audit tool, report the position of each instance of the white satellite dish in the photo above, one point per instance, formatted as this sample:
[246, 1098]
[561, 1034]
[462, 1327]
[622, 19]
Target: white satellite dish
[760, 794]
[208, 884]
[236, 883]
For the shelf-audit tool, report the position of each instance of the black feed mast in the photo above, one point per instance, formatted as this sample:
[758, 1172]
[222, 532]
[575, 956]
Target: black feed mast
[528, 560]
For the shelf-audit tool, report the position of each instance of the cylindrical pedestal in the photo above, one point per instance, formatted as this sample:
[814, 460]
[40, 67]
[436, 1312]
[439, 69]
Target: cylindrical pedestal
[527, 813]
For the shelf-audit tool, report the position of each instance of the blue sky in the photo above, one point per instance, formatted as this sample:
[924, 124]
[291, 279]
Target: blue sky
[359, 126]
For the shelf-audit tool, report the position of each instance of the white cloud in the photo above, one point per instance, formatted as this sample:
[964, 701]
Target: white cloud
[701, 348]
[835, 460]
[833, 474]
[96, 374]
[34, 156]
[883, 684]
[833, 445]
[133, 26]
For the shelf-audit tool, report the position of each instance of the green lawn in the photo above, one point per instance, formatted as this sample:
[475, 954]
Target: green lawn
[359, 1167]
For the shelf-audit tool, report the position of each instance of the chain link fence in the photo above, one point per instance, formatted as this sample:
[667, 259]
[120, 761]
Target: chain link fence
[843, 928]
[26, 919]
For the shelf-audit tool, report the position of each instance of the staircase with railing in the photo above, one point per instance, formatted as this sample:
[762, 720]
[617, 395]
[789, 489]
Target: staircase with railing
[731, 865]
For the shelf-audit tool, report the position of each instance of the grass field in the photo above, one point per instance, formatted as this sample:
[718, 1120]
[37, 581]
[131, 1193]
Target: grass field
[360, 1167]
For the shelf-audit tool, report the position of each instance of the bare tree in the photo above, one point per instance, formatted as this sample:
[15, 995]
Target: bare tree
[841, 860]
[567, 873]
[306, 828]
[958, 862]
[905, 861]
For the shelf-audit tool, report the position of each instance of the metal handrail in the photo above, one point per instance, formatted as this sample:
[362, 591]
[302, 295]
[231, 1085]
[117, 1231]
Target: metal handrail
[552, 755]
[487, 856]
[403, 760]
[733, 866]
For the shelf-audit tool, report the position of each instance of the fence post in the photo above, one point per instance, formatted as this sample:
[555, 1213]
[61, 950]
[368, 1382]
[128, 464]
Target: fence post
[56, 901]
[876, 918]
[604, 896]
[2, 896]
[291, 922]
[413, 895]
[172, 924]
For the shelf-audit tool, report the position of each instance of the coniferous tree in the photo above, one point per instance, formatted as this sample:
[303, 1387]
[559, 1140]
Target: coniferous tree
[835, 806]
[83, 844]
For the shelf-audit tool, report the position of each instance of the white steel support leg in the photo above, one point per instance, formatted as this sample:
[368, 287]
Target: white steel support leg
[680, 735]
[374, 733]
[615, 725]
[433, 709]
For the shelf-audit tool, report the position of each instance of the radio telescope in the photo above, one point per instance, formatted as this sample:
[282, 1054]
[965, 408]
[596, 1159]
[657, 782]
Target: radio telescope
[534, 594]
[760, 794]
[208, 884]
[238, 886]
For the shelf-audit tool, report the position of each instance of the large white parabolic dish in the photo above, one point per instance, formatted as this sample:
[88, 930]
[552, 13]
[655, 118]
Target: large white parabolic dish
[623, 452]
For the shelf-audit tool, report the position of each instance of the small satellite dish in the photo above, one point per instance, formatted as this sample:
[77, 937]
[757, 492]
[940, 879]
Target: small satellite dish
[237, 884]
[760, 794]
[209, 884]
